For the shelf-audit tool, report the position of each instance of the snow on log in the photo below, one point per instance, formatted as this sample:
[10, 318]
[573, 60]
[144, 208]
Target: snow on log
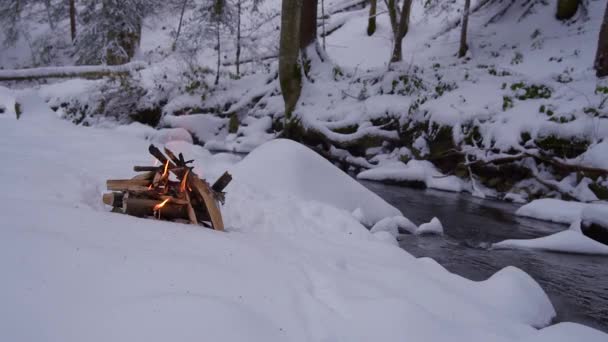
[70, 71]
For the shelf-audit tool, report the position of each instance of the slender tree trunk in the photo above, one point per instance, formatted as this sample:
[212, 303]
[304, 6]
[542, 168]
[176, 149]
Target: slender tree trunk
[47, 5]
[290, 75]
[400, 29]
[179, 26]
[238, 38]
[73, 19]
[566, 9]
[462, 51]
[308, 23]
[323, 18]
[371, 22]
[219, 52]
[601, 58]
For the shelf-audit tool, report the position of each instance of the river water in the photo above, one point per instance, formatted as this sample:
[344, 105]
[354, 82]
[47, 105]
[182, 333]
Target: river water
[576, 284]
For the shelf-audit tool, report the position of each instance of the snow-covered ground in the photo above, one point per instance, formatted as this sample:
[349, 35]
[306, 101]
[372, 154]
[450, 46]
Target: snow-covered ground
[290, 267]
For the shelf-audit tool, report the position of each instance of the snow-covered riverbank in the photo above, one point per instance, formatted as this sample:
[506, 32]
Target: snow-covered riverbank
[295, 266]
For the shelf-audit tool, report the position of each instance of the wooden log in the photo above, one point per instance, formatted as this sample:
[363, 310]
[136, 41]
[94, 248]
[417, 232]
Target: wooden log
[222, 182]
[113, 198]
[146, 175]
[142, 207]
[191, 214]
[147, 168]
[201, 189]
[127, 184]
[86, 71]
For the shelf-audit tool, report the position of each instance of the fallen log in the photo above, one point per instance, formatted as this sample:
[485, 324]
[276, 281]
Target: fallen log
[85, 71]
[127, 184]
[142, 207]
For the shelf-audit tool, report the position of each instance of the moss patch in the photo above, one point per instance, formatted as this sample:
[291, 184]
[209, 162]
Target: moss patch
[560, 147]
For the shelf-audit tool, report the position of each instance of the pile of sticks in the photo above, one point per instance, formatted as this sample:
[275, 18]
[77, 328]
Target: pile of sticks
[152, 193]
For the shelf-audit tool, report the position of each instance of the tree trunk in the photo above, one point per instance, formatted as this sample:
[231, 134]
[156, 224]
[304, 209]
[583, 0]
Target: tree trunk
[290, 75]
[371, 22]
[47, 5]
[323, 18]
[400, 27]
[566, 9]
[601, 58]
[179, 26]
[462, 51]
[219, 50]
[308, 23]
[73, 19]
[238, 38]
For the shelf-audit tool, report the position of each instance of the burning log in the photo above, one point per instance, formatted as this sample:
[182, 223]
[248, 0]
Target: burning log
[142, 207]
[153, 194]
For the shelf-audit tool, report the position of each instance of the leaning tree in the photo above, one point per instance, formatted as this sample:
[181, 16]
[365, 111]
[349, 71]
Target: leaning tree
[601, 57]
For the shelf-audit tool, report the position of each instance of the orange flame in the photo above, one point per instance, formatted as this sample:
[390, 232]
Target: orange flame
[166, 169]
[161, 204]
[182, 186]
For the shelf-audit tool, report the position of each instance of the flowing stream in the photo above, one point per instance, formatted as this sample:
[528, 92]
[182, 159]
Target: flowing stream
[576, 284]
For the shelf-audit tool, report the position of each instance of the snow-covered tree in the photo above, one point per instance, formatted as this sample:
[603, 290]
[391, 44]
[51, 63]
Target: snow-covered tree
[10, 19]
[111, 30]
[400, 20]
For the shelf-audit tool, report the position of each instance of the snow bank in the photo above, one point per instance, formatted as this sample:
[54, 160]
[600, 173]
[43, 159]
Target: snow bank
[567, 241]
[394, 225]
[288, 268]
[161, 136]
[434, 227]
[553, 210]
[286, 167]
[597, 214]
[414, 171]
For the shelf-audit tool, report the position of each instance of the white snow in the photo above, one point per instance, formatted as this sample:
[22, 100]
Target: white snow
[434, 227]
[559, 211]
[70, 70]
[293, 265]
[394, 225]
[567, 241]
[414, 171]
[286, 167]
[597, 214]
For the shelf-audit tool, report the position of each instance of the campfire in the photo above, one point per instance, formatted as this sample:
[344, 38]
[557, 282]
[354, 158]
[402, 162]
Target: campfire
[153, 193]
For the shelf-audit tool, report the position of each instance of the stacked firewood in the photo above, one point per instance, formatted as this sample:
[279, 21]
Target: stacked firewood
[153, 192]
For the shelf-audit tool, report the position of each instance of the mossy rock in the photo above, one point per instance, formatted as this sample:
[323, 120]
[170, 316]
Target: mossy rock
[600, 191]
[566, 9]
[148, 116]
[441, 149]
[233, 123]
[350, 129]
[410, 131]
[560, 147]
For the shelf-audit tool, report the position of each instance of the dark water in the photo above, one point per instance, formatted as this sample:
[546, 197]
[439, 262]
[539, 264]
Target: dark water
[576, 284]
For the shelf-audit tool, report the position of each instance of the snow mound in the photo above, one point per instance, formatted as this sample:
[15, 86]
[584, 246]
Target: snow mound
[161, 136]
[394, 225]
[597, 214]
[553, 210]
[430, 228]
[286, 167]
[420, 171]
[567, 241]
